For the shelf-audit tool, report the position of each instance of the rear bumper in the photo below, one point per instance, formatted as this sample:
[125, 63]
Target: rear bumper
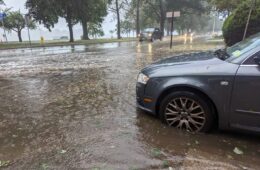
[145, 38]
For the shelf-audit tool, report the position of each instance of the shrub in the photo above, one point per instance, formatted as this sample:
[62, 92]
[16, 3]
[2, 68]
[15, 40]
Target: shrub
[234, 26]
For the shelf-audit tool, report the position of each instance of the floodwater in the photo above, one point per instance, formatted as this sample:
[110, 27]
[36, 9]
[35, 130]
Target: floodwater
[74, 108]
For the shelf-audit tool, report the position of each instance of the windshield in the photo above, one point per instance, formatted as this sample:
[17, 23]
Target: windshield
[243, 47]
[149, 30]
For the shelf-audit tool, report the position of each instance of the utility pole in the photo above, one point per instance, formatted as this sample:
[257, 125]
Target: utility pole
[214, 24]
[214, 21]
[172, 29]
[249, 17]
[172, 15]
[27, 21]
[3, 15]
[138, 18]
[4, 31]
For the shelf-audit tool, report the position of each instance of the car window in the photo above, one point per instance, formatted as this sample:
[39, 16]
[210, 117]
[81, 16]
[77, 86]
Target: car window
[251, 60]
[243, 47]
[149, 30]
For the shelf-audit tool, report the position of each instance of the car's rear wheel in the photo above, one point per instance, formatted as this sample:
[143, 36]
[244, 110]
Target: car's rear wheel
[187, 111]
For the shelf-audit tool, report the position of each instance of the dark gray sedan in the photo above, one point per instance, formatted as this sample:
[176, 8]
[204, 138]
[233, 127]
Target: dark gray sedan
[195, 91]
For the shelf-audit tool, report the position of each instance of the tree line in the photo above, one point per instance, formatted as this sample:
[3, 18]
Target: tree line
[130, 15]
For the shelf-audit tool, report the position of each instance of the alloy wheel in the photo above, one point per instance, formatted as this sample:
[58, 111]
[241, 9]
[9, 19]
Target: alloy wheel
[186, 114]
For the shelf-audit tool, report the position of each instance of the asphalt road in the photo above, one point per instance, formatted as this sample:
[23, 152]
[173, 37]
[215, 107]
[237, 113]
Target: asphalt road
[74, 108]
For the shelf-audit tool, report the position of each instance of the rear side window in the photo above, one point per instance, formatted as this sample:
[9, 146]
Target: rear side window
[251, 61]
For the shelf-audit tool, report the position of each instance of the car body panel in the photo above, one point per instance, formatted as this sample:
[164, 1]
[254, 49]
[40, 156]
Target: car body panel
[205, 76]
[192, 65]
[211, 86]
[245, 107]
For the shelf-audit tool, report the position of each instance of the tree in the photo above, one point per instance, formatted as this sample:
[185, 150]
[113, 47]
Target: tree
[74, 11]
[116, 6]
[127, 27]
[111, 32]
[89, 12]
[225, 6]
[16, 22]
[95, 30]
[68, 10]
[138, 4]
[192, 22]
[234, 26]
[194, 15]
[133, 14]
[158, 8]
[45, 12]
[155, 10]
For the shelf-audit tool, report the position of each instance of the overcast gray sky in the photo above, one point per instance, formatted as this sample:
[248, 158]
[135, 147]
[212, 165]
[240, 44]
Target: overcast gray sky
[59, 30]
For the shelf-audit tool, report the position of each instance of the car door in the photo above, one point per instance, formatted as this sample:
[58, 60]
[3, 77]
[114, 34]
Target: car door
[245, 104]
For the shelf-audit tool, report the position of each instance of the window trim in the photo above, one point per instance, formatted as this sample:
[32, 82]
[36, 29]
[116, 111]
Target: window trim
[248, 58]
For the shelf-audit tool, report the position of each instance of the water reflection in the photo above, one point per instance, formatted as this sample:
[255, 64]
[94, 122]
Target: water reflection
[188, 39]
[138, 47]
[72, 48]
[150, 48]
[145, 54]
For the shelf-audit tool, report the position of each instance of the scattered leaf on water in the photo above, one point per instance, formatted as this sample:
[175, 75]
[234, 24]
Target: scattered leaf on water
[14, 136]
[230, 157]
[44, 166]
[156, 152]
[238, 151]
[96, 168]
[63, 151]
[4, 163]
[112, 147]
[245, 168]
[166, 164]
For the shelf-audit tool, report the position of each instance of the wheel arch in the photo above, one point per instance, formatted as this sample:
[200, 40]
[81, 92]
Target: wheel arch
[189, 89]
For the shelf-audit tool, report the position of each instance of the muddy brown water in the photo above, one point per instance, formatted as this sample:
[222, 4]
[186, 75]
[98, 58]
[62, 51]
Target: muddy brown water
[74, 108]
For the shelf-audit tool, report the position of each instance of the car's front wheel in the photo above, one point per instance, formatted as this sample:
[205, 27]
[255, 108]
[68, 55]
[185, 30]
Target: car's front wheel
[187, 111]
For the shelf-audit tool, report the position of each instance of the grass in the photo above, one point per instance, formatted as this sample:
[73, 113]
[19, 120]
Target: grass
[35, 44]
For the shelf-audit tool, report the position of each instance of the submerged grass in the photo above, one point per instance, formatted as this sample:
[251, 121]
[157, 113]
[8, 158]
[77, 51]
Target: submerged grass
[35, 44]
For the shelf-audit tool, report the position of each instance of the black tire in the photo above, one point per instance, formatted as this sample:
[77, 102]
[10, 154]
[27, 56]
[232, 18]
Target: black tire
[182, 117]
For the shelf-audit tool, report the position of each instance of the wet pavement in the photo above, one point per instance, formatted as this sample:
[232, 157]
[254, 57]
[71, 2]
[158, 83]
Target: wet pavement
[74, 108]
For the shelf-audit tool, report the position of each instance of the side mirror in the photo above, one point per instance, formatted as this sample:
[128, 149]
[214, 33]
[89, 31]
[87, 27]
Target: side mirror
[257, 60]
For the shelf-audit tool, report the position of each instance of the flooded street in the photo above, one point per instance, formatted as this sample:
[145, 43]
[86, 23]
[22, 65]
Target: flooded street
[74, 108]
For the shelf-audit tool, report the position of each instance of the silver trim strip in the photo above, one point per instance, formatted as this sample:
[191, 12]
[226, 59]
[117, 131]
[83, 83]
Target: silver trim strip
[248, 112]
[253, 65]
